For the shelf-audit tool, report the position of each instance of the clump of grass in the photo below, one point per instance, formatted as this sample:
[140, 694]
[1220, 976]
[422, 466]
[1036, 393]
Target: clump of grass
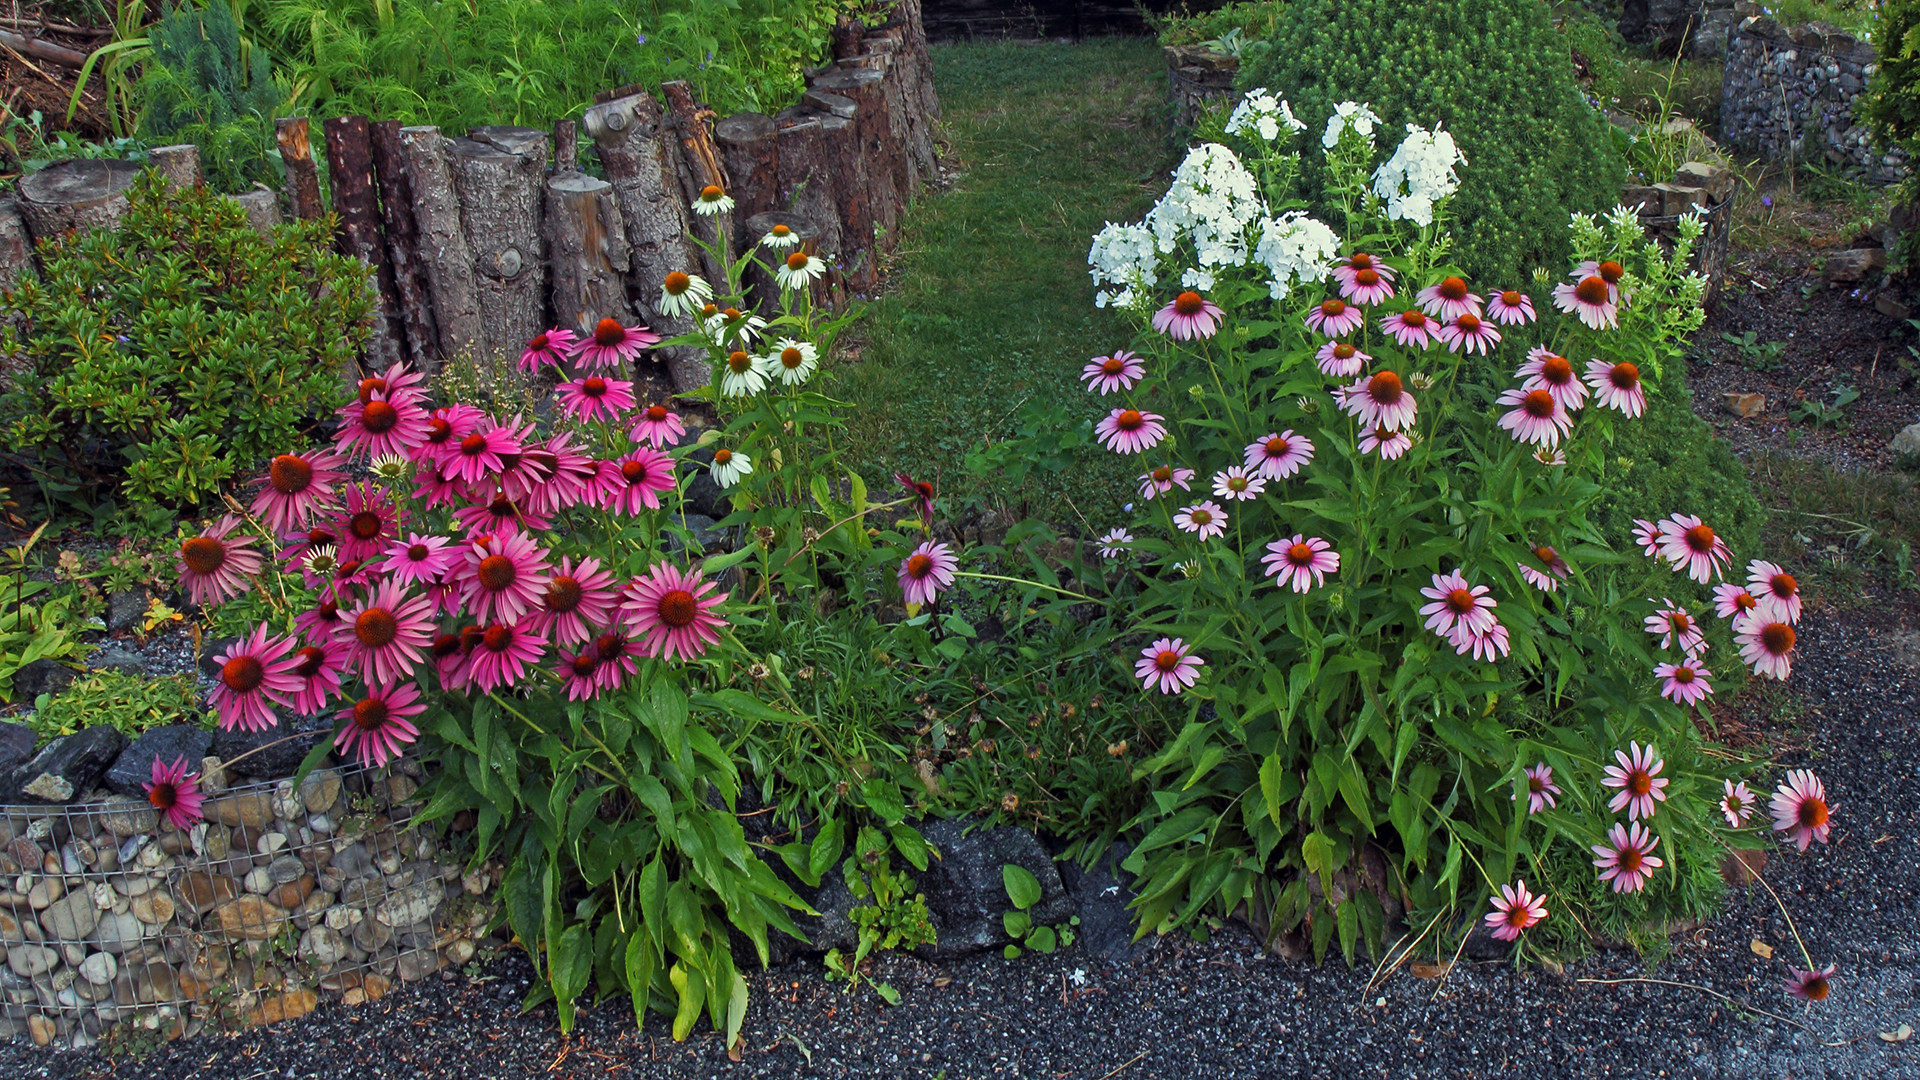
[1846, 531]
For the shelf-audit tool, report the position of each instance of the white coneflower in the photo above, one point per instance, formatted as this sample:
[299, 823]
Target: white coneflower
[322, 561]
[742, 375]
[729, 466]
[682, 293]
[794, 362]
[799, 270]
[730, 324]
[779, 238]
[391, 469]
[712, 201]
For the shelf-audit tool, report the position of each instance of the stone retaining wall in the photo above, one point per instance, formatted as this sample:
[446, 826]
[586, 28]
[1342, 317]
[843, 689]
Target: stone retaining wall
[1788, 93]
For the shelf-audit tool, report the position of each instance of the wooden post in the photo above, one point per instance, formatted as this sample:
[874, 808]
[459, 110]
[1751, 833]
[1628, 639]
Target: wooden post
[441, 244]
[303, 176]
[501, 196]
[178, 165]
[262, 207]
[566, 147]
[880, 57]
[862, 86]
[587, 247]
[403, 246]
[698, 166]
[750, 149]
[909, 15]
[844, 159]
[357, 205]
[903, 96]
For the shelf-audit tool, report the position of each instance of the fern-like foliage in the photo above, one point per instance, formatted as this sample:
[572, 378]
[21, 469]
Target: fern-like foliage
[202, 86]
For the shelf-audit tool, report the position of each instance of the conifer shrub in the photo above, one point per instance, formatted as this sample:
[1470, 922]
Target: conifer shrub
[1892, 101]
[198, 87]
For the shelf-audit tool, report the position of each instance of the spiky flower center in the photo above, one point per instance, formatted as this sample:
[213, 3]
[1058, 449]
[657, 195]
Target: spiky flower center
[633, 472]
[1518, 916]
[1546, 554]
[1460, 601]
[656, 413]
[791, 359]
[1277, 447]
[289, 474]
[1611, 272]
[539, 342]
[797, 261]
[919, 565]
[376, 627]
[445, 645]
[163, 795]
[308, 661]
[1699, 539]
[327, 611]
[1129, 420]
[364, 525]
[1812, 812]
[1679, 621]
[1538, 404]
[1452, 288]
[1385, 388]
[1624, 376]
[470, 638]
[473, 445]
[563, 594]
[203, 554]
[1639, 782]
[677, 282]
[1166, 660]
[781, 230]
[1777, 638]
[1188, 303]
[1468, 323]
[1783, 585]
[610, 646]
[1512, 298]
[370, 386]
[1535, 785]
[1556, 369]
[370, 714]
[593, 386]
[1333, 309]
[419, 553]
[1200, 517]
[497, 638]
[1592, 291]
[584, 665]
[497, 572]
[1344, 351]
[243, 674]
[1629, 859]
[1162, 475]
[739, 363]
[711, 193]
[677, 608]
[1683, 675]
[609, 332]
[1361, 261]
[1300, 554]
[1413, 320]
[722, 456]
[1366, 279]
[438, 430]
[1815, 987]
[379, 417]
[1236, 483]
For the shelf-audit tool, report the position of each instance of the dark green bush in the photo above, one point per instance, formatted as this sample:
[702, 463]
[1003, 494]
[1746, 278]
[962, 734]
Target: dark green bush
[1496, 74]
[161, 357]
[199, 88]
[1891, 104]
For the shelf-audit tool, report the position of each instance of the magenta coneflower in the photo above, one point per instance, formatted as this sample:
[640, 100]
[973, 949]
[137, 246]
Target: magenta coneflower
[1537, 417]
[418, 560]
[1364, 280]
[1162, 479]
[388, 633]
[1189, 318]
[381, 426]
[399, 383]
[925, 572]
[1341, 360]
[548, 349]
[1800, 808]
[921, 491]
[1553, 373]
[1205, 520]
[436, 489]
[1647, 535]
[321, 622]
[215, 565]
[1130, 431]
[672, 611]
[1766, 643]
[1617, 386]
[369, 523]
[1410, 328]
[634, 483]
[1381, 400]
[446, 426]
[1489, 644]
[483, 452]
[1114, 543]
[1168, 664]
[1111, 374]
[1549, 574]
[503, 654]
[1592, 298]
[378, 725]
[570, 479]
[175, 792]
[595, 398]
[1334, 318]
[498, 516]
[1775, 589]
[619, 657]
[1515, 909]
[1540, 788]
[1731, 601]
[580, 673]
[1233, 483]
[1455, 601]
[612, 344]
[1278, 455]
[319, 668]
[255, 675]
[1626, 859]
[579, 601]
[1302, 562]
[1510, 308]
[1390, 445]
[1448, 299]
[1810, 986]
[1684, 683]
[1608, 271]
[1639, 780]
[295, 488]
[658, 425]
[1469, 332]
[1736, 802]
[502, 577]
[1690, 545]
[1674, 626]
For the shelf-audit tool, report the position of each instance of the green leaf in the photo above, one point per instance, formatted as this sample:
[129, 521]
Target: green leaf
[887, 993]
[883, 798]
[642, 960]
[569, 965]
[1043, 939]
[1275, 781]
[1348, 918]
[910, 844]
[1022, 887]
[1317, 852]
[691, 992]
[1017, 923]
[825, 851]
[1011, 952]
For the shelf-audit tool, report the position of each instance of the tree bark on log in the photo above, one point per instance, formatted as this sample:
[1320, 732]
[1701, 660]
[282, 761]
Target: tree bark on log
[904, 71]
[442, 244]
[403, 246]
[630, 140]
[77, 194]
[178, 165]
[908, 12]
[303, 175]
[588, 251]
[16, 247]
[566, 147]
[827, 291]
[844, 160]
[750, 151]
[877, 167]
[806, 189]
[501, 196]
[355, 203]
[880, 57]
[698, 166]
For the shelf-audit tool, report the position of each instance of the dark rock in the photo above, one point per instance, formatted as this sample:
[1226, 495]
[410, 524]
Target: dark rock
[125, 610]
[134, 766]
[16, 746]
[704, 496]
[1102, 894]
[277, 760]
[831, 929]
[43, 676]
[113, 656]
[67, 767]
[209, 666]
[1482, 945]
[967, 895]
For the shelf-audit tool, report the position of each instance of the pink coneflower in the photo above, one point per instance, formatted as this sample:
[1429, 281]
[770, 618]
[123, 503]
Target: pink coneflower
[503, 654]
[1381, 400]
[925, 572]
[450, 653]
[1684, 683]
[612, 344]
[1775, 589]
[483, 452]
[1448, 299]
[255, 675]
[619, 657]
[1608, 271]
[1334, 318]
[658, 425]
[1639, 780]
[1278, 455]
[1810, 986]
[369, 523]
[1455, 601]
[580, 673]
[498, 516]
[578, 601]
[548, 349]
[1205, 520]
[1469, 332]
[1731, 601]
[295, 488]
[446, 426]
[1189, 318]
[1364, 280]
[502, 578]
[595, 398]
[1510, 308]
[1537, 417]
[1736, 802]
[436, 489]
[295, 547]
[1592, 298]
[1673, 626]
[1766, 643]
[381, 426]
[1549, 574]
[1647, 535]
[1114, 543]
[634, 483]
[215, 565]
[1627, 858]
[1617, 386]
[1341, 360]
[418, 560]
[1691, 546]
[1540, 788]
[377, 725]
[1162, 479]
[1553, 373]
[319, 668]
[1390, 445]
[399, 383]
[321, 622]
[1410, 328]
[1800, 808]
[673, 612]
[1167, 664]
[1111, 374]
[1489, 644]
[175, 793]
[570, 479]
[921, 491]
[1233, 483]
[1515, 909]
[1130, 431]
[388, 633]
[1302, 562]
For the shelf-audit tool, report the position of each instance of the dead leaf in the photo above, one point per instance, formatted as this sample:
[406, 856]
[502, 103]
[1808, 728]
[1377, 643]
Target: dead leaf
[1553, 965]
[944, 980]
[1761, 949]
[1423, 970]
[1899, 1034]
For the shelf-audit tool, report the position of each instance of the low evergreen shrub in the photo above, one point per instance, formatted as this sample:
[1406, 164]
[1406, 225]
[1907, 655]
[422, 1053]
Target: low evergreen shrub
[199, 87]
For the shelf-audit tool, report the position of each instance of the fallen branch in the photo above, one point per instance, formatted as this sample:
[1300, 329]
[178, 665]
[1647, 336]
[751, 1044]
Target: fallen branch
[45, 50]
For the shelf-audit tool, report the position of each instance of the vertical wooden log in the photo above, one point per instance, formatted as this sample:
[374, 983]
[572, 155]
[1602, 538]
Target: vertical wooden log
[862, 87]
[880, 57]
[566, 147]
[846, 37]
[16, 247]
[262, 207]
[587, 247]
[629, 138]
[520, 141]
[699, 167]
[501, 197]
[178, 165]
[303, 176]
[441, 243]
[841, 155]
[908, 12]
[355, 203]
[806, 188]
[403, 246]
[750, 151]
[903, 72]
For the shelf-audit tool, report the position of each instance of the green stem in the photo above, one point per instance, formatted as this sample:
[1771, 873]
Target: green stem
[1035, 584]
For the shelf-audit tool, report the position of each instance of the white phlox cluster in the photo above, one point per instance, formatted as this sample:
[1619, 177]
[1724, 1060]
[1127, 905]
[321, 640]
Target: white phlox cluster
[1349, 114]
[1419, 174]
[1295, 248]
[1123, 256]
[1212, 201]
[1264, 114]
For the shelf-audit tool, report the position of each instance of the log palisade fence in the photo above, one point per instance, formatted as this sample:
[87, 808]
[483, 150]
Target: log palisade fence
[476, 244]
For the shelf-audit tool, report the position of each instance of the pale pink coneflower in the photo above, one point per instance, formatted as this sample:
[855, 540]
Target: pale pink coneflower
[926, 572]
[1647, 535]
[1390, 445]
[1591, 298]
[1169, 665]
[1114, 543]
[1607, 270]
[1447, 299]
[296, 487]
[1775, 589]
[1800, 808]
[1112, 374]
[1684, 683]
[215, 565]
[612, 344]
[1334, 318]
[1341, 360]
[1731, 601]
[1766, 643]
[1537, 417]
[1690, 545]
[502, 577]
[1540, 788]
[370, 429]
[1455, 601]
[388, 633]
[1675, 628]
[418, 560]
[1489, 644]
[635, 482]
[1514, 909]
[503, 655]
[1469, 332]
[1162, 479]
[1810, 986]
[1130, 431]
[174, 792]
[399, 384]
[1553, 373]
[1736, 802]
[1549, 574]
[255, 675]
[658, 425]
[1301, 563]
[549, 348]
[578, 601]
[595, 398]
[1381, 400]
[672, 611]
[369, 522]
[1410, 328]
[319, 668]
[1510, 308]
[1617, 386]
[1234, 483]
[1364, 279]
[1205, 520]
[1189, 317]
[1278, 455]
[1638, 777]
[378, 725]
[1627, 859]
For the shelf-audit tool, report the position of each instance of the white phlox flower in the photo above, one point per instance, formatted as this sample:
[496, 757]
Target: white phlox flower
[1294, 248]
[1419, 174]
[1212, 201]
[1123, 256]
[1261, 112]
[1349, 115]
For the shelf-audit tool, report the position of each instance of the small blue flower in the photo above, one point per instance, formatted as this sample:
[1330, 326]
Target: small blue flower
[1766, 200]
[640, 38]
